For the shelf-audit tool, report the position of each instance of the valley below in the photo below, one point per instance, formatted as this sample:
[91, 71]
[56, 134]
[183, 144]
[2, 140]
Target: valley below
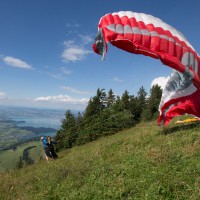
[20, 131]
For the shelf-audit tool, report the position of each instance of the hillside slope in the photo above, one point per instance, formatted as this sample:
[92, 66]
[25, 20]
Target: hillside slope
[144, 162]
[9, 158]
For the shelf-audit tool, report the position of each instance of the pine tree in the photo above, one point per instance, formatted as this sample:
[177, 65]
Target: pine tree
[125, 100]
[118, 106]
[66, 136]
[133, 105]
[140, 103]
[154, 99]
[110, 99]
[95, 104]
[29, 161]
[20, 163]
[151, 110]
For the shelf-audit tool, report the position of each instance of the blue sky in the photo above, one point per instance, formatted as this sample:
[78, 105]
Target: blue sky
[46, 59]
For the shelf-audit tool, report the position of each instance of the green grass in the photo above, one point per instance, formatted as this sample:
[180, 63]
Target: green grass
[9, 134]
[144, 162]
[9, 158]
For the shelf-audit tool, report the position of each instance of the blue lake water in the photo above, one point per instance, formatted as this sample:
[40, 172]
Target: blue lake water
[36, 122]
[33, 117]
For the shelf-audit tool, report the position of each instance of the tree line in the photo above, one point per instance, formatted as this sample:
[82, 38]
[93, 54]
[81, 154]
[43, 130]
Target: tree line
[25, 158]
[107, 114]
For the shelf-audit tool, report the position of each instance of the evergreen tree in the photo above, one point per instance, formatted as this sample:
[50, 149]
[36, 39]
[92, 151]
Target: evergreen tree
[110, 98]
[140, 103]
[79, 121]
[142, 97]
[125, 100]
[154, 99]
[29, 161]
[133, 106]
[118, 106]
[151, 110]
[104, 114]
[59, 138]
[95, 104]
[66, 136]
[20, 163]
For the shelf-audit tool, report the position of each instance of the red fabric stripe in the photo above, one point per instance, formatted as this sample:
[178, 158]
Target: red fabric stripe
[110, 19]
[187, 104]
[169, 52]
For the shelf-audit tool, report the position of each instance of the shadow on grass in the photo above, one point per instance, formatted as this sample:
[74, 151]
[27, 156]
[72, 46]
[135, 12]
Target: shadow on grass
[180, 127]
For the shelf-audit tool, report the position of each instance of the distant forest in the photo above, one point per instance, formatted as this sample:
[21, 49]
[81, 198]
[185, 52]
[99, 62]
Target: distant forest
[107, 114]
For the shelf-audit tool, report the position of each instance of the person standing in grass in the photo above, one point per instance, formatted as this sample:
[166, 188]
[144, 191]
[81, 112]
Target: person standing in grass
[44, 143]
[51, 147]
[48, 148]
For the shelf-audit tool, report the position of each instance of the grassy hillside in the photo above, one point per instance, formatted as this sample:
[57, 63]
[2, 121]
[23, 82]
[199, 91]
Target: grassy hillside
[9, 158]
[10, 133]
[145, 162]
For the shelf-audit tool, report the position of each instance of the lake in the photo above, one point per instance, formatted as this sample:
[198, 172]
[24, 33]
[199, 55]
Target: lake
[33, 117]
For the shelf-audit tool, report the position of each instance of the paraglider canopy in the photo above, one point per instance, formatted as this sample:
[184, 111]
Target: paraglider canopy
[100, 47]
[140, 33]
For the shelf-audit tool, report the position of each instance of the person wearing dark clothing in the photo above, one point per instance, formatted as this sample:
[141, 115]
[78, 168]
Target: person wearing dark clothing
[49, 148]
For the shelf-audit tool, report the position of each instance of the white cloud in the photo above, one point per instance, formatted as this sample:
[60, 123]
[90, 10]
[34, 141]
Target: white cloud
[161, 81]
[3, 95]
[117, 79]
[65, 71]
[74, 52]
[55, 75]
[72, 25]
[62, 99]
[50, 102]
[73, 90]
[68, 43]
[86, 39]
[15, 62]
[59, 73]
